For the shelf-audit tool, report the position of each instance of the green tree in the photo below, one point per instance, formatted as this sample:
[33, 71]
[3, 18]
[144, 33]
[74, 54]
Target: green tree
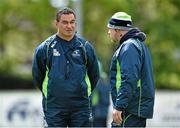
[26, 23]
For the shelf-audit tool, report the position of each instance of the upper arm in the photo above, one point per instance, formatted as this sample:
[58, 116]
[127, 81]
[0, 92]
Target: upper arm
[92, 65]
[39, 65]
[130, 61]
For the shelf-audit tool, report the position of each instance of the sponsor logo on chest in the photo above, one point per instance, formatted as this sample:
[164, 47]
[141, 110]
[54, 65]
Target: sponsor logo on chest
[56, 52]
[76, 53]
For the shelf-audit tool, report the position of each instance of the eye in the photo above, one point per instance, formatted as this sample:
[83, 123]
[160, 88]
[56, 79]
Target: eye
[72, 22]
[64, 22]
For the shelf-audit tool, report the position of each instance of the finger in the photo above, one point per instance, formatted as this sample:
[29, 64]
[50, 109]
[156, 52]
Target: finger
[114, 117]
[117, 118]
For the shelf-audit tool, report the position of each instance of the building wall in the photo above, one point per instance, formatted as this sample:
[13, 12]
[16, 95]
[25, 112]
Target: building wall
[23, 109]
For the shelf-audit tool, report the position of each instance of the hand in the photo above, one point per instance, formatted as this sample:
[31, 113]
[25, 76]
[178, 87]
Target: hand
[117, 117]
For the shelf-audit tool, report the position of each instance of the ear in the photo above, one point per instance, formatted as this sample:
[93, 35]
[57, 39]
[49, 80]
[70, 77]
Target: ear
[55, 22]
[121, 35]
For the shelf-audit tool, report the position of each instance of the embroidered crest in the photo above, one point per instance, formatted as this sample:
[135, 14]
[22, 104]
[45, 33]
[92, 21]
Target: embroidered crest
[76, 53]
[56, 53]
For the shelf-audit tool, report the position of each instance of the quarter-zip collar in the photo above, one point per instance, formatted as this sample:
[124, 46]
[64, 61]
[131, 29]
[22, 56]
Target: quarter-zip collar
[72, 44]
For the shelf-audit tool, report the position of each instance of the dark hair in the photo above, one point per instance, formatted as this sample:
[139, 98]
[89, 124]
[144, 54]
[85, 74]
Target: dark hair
[64, 11]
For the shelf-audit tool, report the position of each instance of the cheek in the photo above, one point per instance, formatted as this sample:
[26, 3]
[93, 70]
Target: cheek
[74, 26]
[113, 34]
[116, 34]
[61, 27]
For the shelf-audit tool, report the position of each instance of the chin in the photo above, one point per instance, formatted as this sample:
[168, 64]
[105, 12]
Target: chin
[70, 33]
[114, 41]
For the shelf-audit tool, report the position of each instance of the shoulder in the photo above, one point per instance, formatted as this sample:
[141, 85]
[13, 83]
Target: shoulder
[126, 46]
[131, 44]
[46, 42]
[85, 42]
[131, 48]
[49, 40]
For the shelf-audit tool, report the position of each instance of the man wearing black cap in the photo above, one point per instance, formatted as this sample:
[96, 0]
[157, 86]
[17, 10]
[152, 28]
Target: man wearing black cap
[131, 74]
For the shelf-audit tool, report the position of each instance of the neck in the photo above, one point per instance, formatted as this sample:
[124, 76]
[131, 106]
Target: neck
[122, 33]
[67, 38]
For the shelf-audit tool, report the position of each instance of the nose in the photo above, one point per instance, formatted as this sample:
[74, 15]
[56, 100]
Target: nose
[69, 25]
[108, 32]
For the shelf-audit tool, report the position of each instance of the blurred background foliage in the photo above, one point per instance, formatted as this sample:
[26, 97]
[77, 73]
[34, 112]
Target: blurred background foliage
[26, 23]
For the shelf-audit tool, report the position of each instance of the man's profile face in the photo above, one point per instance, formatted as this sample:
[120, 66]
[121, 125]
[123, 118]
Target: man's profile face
[113, 34]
